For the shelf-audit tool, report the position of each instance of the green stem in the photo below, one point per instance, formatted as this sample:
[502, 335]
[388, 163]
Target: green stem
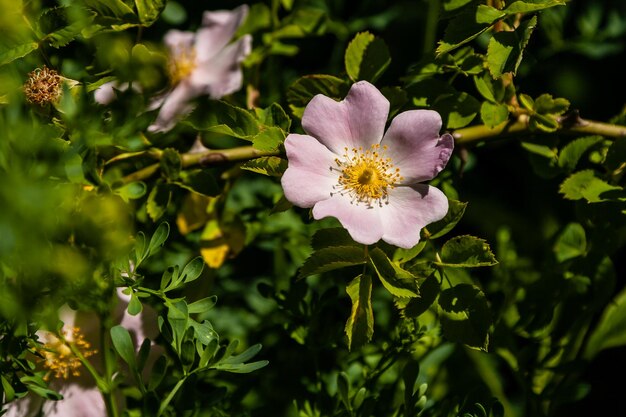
[170, 396]
[520, 127]
[430, 31]
[465, 136]
[207, 158]
[109, 366]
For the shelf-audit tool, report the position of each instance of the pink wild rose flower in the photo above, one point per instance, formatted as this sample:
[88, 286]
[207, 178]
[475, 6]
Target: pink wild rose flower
[205, 62]
[348, 167]
[81, 396]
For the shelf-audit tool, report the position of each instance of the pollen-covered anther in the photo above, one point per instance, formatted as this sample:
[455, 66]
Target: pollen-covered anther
[181, 63]
[366, 175]
[59, 357]
[43, 86]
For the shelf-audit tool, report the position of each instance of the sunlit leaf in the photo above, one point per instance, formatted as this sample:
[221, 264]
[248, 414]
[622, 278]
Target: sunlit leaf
[467, 251]
[360, 325]
[366, 57]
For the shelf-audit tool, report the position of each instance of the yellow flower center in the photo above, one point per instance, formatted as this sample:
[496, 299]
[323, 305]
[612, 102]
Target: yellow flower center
[366, 175]
[58, 356]
[182, 63]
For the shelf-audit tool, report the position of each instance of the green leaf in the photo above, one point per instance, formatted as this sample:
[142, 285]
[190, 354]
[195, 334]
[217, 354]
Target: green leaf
[493, 114]
[9, 392]
[177, 317]
[305, 88]
[334, 236]
[149, 10]
[460, 30]
[123, 345]
[222, 118]
[360, 325]
[572, 152]
[397, 281]
[131, 191]
[62, 37]
[457, 110]
[111, 8]
[202, 305]
[429, 290]
[244, 368]
[269, 139]
[171, 164]
[545, 104]
[158, 238]
[484, 85]
[571, 243]
[466, 316]
[527, 6]
[17, 52]
[505, 49]
[611, 328]
[585, 184]
[467, 252]
[245, 356]
[158, 200]
[456, 210]
[192, 270]
[134, 305]
[487, 14]
[273, 166]
[274, 115]
[449, 5]
[366, 57]
[199, 181]
[328, 259]
[397, 97]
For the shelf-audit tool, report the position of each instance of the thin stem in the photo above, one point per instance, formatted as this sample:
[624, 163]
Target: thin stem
[430, 31]
[203, 159]
[109, 365]
[520, 127]
[170, 396]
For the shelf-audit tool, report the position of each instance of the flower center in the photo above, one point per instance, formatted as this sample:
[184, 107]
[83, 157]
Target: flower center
[58, 356]
[182, 63]
[366, 175]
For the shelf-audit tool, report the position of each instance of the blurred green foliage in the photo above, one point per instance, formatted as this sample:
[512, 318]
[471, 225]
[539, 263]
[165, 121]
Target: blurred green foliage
[511, 305]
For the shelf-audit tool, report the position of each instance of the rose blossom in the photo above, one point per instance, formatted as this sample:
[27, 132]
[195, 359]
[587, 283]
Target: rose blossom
[81, 396]
[203, 63]
[348, 167]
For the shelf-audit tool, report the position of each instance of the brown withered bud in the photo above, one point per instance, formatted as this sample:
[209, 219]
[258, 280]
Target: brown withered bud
[43, 86]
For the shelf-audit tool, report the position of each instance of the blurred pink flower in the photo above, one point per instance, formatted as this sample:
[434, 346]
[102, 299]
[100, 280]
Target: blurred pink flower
[81, 397]
[202, 63]
[348, 167]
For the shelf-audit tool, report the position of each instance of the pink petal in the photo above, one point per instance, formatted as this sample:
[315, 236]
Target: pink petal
[308, 178]
[414, 145]
[409, 210]
[362, 222]
[218, 28]
[78, 401]
[179, 42]
[222, 75]
[175, 105]
[28, 406]
[358, 120]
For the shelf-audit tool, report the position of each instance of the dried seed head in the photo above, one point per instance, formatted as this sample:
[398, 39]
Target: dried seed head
[43, 86]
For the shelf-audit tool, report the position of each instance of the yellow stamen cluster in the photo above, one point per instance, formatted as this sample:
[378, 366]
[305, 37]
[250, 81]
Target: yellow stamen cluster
[43, 86]
[366, 175]
[59, 358]
[182, 63]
